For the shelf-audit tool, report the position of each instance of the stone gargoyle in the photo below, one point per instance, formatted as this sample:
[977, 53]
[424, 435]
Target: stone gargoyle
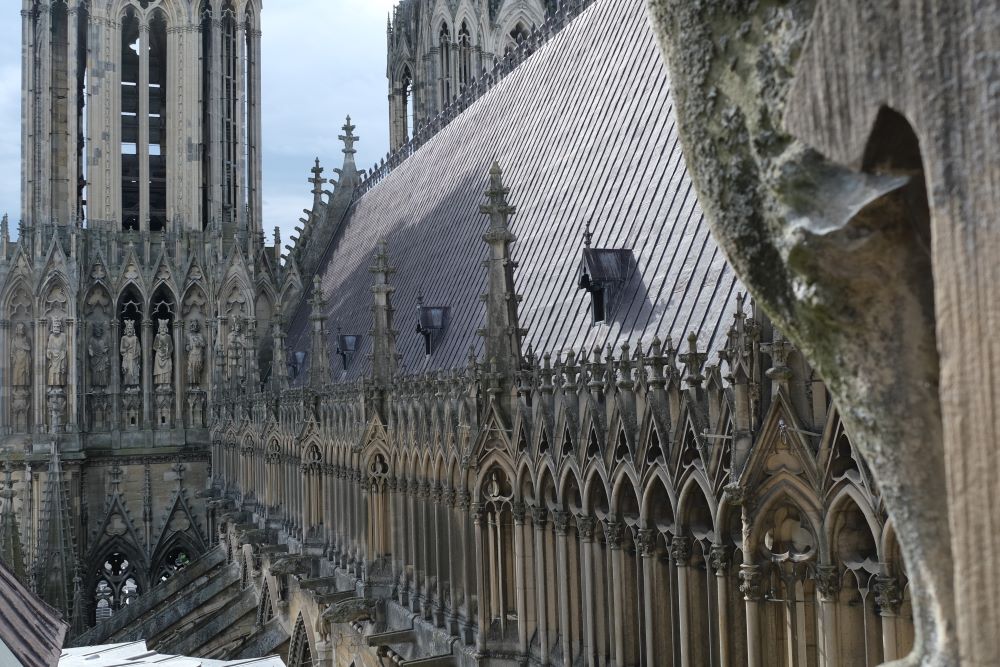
[846, 154]
[294, 565]
[351, 611]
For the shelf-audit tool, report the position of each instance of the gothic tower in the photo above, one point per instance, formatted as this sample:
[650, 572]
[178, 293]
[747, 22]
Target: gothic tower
[138, 289]
[142, 114]
[437, 47]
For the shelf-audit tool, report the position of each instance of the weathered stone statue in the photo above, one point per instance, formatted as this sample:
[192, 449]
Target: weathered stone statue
[130, 355]
[100, 357]
[21, 357]
[236, 349]
[163, 347]
[195, 349]
[55, 354]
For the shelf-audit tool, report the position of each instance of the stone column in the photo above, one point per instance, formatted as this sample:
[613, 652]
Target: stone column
[889, 598]
[646, 541]
[179, 369]
[614, 533]
[539, 516]
[751, 587]
[719, 562]
[147, 361]
[680, 553]
[828, 584]
[520, 578]
[560, 521]
[478, 518]
[585, 526]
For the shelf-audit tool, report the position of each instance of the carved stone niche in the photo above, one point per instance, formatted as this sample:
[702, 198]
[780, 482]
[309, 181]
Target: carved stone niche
[100, 410]
[196, 408]
[131, 408]
[164, 407]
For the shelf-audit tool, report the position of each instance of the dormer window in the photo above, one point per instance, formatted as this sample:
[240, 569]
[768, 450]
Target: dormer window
[347, 345]
[603, 273]
[431, 324]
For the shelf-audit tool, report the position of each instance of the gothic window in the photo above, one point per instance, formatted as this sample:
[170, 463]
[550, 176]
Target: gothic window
[143, 122]
[496, 530]
[207, 136]
[175, 561]
[378, 507]
[464, 56]
[444, 43]
[157, 138]
[116, 586]
[83, 23]
[230, 112]
[130, 64]
[407, 86]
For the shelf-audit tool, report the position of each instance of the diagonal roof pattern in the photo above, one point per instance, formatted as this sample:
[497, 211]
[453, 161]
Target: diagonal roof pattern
[585, 132]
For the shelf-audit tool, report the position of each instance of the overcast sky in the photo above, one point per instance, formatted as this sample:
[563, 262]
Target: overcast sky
[323, 59]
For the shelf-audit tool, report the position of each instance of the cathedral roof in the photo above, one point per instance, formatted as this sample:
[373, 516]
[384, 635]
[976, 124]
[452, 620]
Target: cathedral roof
[585, 132]
[31, 632]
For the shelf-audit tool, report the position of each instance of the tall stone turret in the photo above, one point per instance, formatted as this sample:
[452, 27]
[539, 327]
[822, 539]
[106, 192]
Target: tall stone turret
[503, 332]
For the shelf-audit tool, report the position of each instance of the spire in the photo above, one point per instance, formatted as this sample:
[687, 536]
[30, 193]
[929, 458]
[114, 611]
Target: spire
[317, 181]
[319, 360]
[348, 179]
[348, 137]
[277, 246]
[11, 552]
[55, 560]
[503, 333]
[384, 358]
[279, 364]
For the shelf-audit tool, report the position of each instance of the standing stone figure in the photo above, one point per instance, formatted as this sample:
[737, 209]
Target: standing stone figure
[100, 357]
[163, 346]
[21, 357]
[55, 353]
[130, 355]
[237, 350]
[196, 353]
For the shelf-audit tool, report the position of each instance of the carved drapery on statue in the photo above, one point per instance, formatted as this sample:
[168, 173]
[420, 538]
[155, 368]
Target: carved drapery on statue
[163, 362]
[236, 350]
[195, 349]
[21, 357]
[55, 354]
[100, 357]
[21, 377]
[130, 355]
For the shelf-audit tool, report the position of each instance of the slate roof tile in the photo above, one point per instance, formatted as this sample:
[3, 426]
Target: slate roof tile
[585, 131]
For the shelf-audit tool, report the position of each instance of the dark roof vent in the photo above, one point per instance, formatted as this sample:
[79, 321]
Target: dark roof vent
[347, 345]
[431, 323]
[603, 272]
[296, 362]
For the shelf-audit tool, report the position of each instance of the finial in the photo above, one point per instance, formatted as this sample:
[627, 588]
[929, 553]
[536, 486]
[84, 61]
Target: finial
[348, 137]
[587, 235]
[381, 264]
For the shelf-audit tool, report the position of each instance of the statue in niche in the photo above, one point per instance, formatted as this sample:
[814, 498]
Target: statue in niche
[55, 353]
[21, 357]
[163, 346]
[237, 350]
[196, 353]
[100, 357]
[130, 355]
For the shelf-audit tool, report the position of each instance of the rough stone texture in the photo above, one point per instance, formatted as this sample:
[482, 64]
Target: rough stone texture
[796, 123]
